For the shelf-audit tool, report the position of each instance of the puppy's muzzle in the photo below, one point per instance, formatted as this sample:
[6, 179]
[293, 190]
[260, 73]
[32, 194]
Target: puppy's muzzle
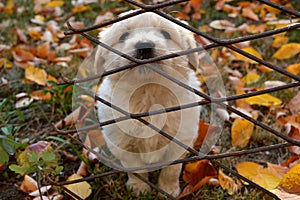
[145, 50]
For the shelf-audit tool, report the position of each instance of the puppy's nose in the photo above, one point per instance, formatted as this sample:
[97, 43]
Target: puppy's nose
[144, 50]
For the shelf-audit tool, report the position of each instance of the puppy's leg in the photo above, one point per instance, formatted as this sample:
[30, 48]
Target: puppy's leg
[169, 179]
[134, 183]
[137, 185]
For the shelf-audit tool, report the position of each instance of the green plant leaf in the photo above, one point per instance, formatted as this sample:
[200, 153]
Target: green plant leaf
[23, 169]
[48, 156]
[33, 157]
[8, 146]
[3, 156]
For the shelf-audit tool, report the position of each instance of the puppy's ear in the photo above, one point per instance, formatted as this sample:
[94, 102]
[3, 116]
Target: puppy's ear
[192, 57]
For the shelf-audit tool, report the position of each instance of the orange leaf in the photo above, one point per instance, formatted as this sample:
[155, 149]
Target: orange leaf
[21, 55]
[28, 184]
[294, 69]
[291, 180]
[241, 132]
[287, 51]
[204, 131]
[80, 8]
[40, 95]
[36, 74]
[227, 183]
[295, 134]
[43, 50]
[279, 41]
[55, 3]
[248, 13]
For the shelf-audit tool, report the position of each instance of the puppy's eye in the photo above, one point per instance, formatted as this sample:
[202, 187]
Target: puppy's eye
[166, 34]
[124, 36]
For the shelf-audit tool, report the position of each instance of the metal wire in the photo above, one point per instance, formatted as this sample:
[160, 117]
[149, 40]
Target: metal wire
[216, 42]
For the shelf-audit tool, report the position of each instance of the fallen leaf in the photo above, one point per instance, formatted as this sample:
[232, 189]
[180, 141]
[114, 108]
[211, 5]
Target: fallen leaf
[40, 95]
[205, 130]
[55, 3]
[221, 24]
[285, 195]
[250, 78]
[227, 183]
[249, 50]
[81, 189]
[263, 100]
[294, 69]
[291, 180]
[8, 8]
[75, 117]
[28, 184]
[21, 55]
[197, 174]
[271, 84]
[294, 104]
[263, 68]
[279, 41]
[80, 8]
[43, 190]
[248, 13]
[23, 102]
[36, 75]
[4, 62]
[294, 134]
[43, 50]
[287, 51]
[268, 177]
[241, 132]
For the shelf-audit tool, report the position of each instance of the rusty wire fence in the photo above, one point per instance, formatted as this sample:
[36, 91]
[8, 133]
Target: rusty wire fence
[216, 42]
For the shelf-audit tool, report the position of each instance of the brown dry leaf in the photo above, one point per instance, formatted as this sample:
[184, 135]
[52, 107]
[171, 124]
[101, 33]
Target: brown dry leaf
[294, 104]
[293, 120]
[28, 184]
[204, 131]
[249, 50]
[294, 134]
[264, 100]
[241, 132]
[42, 51]
[82, 189]
[247, 12]
[251, 78]
[197, 174]
[40, 95]
[291, 180]
[279, 41]
[294, 69]
[20, 35]
[227, 183]
[21, 55]
[221, 24]
[76, 116]
[287, 51]
[23, 102]
[285, 195]
[36, 75]
[268, 177]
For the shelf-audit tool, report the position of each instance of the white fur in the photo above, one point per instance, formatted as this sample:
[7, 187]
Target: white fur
[140, 90]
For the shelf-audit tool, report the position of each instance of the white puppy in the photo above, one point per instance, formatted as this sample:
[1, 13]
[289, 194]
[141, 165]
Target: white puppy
[141, 90]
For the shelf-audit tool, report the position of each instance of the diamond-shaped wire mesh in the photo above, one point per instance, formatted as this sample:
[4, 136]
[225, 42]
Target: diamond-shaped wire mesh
[220, 101]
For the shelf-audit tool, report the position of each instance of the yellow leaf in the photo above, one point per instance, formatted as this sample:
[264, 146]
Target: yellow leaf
[291, 180]
[287, 51]
[263, 100]
[268, 177]
[249, 50]
[227, 183]
[35, 74]
[55, 3]
[294, 69]
[82, 189]
[9, 7]
[279, 41]
[80, 8]
[4, 62]
[241, 132]
[250, 78]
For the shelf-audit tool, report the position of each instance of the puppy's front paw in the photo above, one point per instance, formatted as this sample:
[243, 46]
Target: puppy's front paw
[137, 186]
[171, 188]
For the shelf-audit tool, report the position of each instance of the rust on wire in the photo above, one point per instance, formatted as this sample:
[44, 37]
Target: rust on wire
[215, 42]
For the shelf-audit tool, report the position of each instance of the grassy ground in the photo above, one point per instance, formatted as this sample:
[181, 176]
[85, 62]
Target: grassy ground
[33, 122]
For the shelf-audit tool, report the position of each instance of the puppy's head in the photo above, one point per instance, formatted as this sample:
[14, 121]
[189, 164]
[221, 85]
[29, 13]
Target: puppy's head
[145, 36]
